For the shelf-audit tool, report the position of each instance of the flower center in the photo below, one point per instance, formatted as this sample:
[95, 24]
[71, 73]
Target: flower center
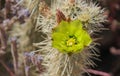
[71, 42]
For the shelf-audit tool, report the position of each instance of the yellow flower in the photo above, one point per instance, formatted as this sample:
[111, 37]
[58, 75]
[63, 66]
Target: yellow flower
[70, 37]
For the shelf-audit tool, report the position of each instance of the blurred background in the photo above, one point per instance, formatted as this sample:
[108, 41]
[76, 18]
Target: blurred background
[17, 38]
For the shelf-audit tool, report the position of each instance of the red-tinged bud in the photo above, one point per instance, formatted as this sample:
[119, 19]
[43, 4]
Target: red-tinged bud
[60, 16]
[72, 1]
[44, 9]
[68, 19]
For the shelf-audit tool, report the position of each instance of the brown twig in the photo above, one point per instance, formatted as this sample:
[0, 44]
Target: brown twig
[14, 55]
[98, 72]
[7, 9]
[26, 67]
[0, 4]
[115, 51]
[7, 68]
[3, 38]
[40, 67]
[27, 71]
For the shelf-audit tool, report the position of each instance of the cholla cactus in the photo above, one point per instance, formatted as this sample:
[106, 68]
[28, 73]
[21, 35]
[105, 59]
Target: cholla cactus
[68, 46]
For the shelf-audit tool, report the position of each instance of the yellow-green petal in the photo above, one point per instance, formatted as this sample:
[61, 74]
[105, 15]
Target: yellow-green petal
[70, 37]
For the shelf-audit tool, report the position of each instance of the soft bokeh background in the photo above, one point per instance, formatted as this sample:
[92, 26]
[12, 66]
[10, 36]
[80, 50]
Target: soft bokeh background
[17, 38]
